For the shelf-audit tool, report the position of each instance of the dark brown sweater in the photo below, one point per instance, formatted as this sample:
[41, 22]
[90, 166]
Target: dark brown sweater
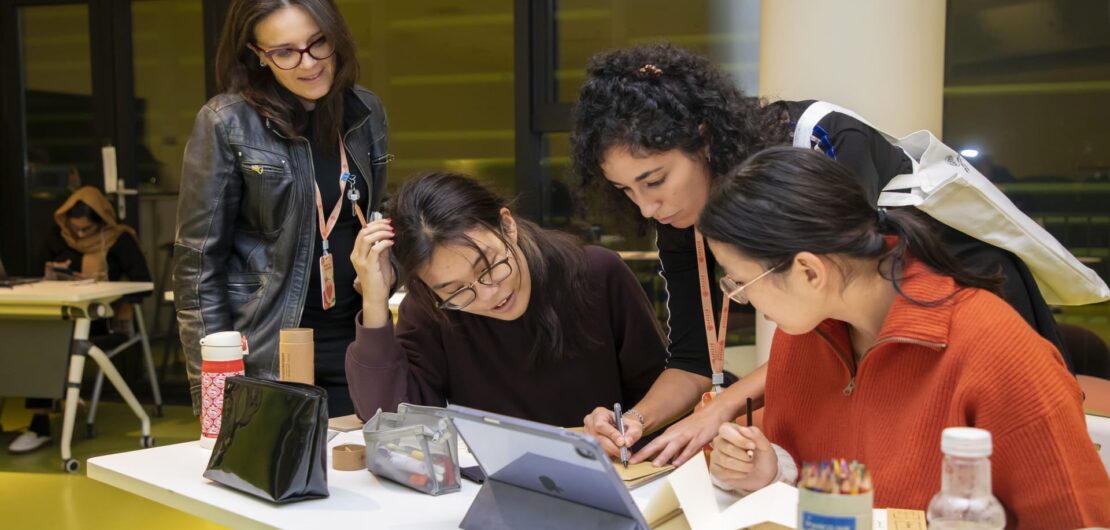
[484, 363]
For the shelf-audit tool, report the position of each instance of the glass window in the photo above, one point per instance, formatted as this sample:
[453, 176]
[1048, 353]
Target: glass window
[168, 52]
[725, 30]
[1027, 98]
[444, 70]
[61, 150]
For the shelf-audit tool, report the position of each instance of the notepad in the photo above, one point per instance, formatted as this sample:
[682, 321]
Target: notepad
[345, 423]
[639, 474]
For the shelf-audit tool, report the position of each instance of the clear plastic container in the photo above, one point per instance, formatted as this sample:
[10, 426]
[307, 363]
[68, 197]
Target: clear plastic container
[965, 501]
[413, 447]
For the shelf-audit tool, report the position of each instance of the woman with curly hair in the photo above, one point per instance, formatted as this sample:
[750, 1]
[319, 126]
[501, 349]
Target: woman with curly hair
[655, 126]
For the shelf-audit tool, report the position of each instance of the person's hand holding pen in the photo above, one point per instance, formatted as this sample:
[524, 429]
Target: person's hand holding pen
[370, 258]
[602, 424]
[743, 458]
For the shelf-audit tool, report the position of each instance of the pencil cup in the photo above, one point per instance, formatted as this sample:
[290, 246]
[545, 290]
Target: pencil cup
[821, 511]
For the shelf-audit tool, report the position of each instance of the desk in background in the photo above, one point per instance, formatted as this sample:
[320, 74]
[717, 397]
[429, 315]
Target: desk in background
[50, 307]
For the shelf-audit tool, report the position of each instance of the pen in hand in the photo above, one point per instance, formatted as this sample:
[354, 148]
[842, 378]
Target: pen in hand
[751, 454]
[620, 429]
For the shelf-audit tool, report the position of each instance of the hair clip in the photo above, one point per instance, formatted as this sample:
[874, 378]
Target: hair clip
[650, 70]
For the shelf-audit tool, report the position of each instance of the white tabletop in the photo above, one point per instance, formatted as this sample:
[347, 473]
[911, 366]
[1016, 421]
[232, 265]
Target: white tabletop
[67, 292]
[172, 475]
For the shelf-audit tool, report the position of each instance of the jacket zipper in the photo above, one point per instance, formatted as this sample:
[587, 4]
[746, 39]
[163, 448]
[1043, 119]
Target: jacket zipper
[368, 177]
[843, 359]
[853, 368]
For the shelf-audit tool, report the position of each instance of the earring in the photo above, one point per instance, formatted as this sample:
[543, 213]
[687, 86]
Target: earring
[262, 63]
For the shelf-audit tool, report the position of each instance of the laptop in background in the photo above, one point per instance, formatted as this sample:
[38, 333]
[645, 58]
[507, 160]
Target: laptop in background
[6, 281]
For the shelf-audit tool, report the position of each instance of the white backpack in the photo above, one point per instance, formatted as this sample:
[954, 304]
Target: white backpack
[950, 190]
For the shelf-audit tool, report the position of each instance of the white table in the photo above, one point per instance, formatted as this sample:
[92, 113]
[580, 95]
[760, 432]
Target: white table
[171, 475]
[83, 302]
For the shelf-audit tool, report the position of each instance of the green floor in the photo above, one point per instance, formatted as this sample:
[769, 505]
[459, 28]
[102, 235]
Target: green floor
[36, 493]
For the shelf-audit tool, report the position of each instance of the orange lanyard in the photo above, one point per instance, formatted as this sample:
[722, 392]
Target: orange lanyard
[714, 338]
[326, 228]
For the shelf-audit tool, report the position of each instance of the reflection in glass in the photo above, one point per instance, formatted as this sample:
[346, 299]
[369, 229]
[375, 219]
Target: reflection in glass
[61, 150]
[168, 53]
[1027, 87]
[727, 31]
[444, 70]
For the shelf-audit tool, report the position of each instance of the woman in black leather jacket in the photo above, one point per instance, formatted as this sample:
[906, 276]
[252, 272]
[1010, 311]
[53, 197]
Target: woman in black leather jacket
[277, 172]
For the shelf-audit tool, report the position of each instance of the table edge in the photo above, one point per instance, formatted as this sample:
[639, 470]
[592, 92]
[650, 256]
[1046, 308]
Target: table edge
[170, 498]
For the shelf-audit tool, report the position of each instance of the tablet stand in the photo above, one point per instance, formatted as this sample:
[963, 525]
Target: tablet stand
[500, 505]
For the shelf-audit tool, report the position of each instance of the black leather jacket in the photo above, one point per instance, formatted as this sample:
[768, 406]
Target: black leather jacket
[246, 223]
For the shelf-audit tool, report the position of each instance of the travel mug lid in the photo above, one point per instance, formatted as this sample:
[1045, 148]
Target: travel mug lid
[223, 338]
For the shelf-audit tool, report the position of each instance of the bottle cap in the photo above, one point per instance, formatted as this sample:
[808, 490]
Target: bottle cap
[296, 335]
[967, 442]
[223, 346]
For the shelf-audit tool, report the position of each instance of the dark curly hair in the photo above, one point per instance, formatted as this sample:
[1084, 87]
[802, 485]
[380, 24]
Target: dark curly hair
[658, 97]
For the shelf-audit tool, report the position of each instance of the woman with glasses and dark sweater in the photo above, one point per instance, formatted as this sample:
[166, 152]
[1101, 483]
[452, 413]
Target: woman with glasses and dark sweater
[500, 315]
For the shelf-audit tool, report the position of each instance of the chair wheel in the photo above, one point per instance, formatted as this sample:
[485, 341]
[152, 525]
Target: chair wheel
[146, 442]
[71, 465]
[90, 430]
[158, 413]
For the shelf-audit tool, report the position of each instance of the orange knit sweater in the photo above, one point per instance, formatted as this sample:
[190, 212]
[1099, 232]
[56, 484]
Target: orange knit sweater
[969, 362]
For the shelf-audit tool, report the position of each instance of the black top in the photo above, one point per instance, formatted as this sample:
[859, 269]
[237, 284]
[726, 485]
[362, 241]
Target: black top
[483, 362]
[125, 259]
[865, 152]
[335, 323]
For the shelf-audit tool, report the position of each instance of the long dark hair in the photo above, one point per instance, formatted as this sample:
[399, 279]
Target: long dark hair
[658, 97]
[438, 209]
[786, 200]
[237, 68]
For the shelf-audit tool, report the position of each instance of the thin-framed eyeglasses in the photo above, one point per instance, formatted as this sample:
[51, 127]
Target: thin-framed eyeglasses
[735, 290]
[496, 273]
[290, 58]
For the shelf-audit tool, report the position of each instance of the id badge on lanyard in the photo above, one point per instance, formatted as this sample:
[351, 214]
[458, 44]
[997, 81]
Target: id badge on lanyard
[327, 265]
[715, 338]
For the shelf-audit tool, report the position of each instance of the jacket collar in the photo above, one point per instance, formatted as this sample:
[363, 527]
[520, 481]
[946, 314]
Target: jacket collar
[909, 321]
[357, 108]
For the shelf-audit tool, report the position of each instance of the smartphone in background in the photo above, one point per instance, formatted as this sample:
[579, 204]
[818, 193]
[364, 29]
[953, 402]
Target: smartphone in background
[473, 474]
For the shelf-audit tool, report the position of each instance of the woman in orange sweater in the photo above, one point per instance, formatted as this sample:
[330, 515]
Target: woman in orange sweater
[883, 341]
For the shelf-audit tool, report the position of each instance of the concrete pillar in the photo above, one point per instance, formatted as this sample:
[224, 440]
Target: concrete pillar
[883, 59]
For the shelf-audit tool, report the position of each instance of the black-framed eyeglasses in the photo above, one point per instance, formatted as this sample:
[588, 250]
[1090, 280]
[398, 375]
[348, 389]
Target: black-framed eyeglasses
[493, 275]
[290, 58]
[735, 290]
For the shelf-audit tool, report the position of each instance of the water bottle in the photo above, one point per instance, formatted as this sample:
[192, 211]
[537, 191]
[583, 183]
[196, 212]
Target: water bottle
[965, 501]
[221, 357]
